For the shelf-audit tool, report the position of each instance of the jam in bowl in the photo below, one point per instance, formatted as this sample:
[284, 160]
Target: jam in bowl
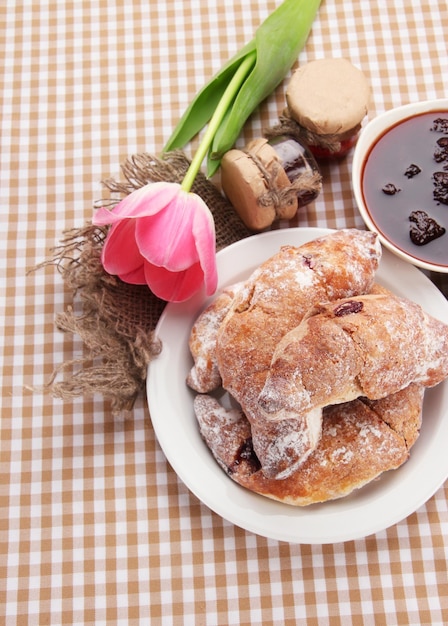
[400, 181]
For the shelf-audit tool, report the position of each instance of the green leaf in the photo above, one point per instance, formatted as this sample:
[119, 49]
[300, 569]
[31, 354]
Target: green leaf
[278, 42]
[219, 114]
[202, 107]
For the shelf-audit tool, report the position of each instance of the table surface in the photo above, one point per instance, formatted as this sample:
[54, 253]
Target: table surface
[95, 526]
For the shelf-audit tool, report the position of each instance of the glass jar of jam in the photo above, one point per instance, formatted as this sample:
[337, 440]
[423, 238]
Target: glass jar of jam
[270, 179]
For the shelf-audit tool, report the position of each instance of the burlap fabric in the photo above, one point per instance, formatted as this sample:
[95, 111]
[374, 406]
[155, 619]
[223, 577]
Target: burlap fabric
[115, 320]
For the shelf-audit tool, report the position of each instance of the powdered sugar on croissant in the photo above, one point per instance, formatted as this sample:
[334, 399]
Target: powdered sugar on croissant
[204, 376]
[272, 302]
[373, 346]
[360, 440]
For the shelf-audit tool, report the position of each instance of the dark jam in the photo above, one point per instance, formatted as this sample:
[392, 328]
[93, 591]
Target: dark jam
[296, 159]
[405, 186]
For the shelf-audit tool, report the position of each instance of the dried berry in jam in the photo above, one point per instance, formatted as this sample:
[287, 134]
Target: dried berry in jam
[412, 171]
[441, 151]
[424, 228]
[390, 189]
[440, 125]
[440, 192]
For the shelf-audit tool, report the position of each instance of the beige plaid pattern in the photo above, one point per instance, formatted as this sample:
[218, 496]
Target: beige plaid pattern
[95, 527]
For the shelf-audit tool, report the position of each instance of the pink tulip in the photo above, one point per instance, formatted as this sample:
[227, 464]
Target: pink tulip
[163, 236]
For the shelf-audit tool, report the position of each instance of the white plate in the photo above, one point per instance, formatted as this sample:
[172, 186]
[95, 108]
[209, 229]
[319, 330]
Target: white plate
[375, 507]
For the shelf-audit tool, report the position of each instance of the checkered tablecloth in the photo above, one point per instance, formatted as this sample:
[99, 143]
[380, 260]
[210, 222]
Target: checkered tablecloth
[95, 527]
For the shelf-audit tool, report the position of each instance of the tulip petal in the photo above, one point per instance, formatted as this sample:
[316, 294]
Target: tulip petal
[174, 286]
[166, 239]
[120, 254]
[205, 238]
[137, 277]
[171, 238]
[143, 202]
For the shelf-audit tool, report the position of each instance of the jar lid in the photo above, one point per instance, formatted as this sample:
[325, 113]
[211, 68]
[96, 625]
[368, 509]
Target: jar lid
[328, 96]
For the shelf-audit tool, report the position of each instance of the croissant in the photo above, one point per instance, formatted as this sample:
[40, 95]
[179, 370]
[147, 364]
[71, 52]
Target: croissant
[371, 345]
[360, 441]
[279, 293]
[272, 302]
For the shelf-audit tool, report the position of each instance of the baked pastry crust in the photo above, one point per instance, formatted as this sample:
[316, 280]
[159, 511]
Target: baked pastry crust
[371, 345]
[263, 338]
[360, 441]
[272, 302]
[204, 376]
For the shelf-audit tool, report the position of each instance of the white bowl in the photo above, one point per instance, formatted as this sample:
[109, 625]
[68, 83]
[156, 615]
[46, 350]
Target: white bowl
[386, 501]
[421, 256]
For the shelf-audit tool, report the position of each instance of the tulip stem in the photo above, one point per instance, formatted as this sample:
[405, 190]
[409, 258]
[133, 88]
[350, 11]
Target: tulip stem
[217, 117]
